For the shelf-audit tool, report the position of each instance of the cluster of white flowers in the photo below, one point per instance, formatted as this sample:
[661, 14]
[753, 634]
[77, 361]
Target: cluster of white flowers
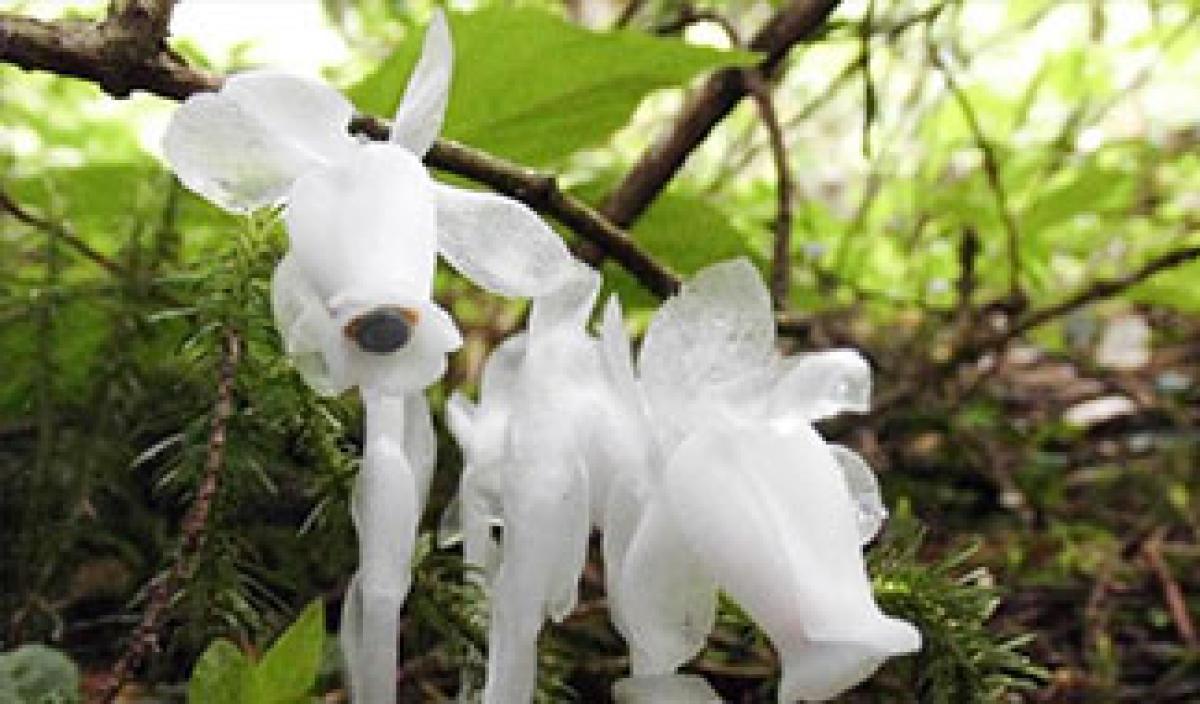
[702, 469]
[701, 466]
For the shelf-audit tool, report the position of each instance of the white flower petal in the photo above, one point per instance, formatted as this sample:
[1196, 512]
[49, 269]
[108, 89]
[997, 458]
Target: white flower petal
[665, 689]
[386, 497]
[718, 332]
[823, 669]
[567, 307]
[617, 353]
[545, 542]
[480, 432]
[668, 602]
[363, 229]
[311, 117]
[499, 378]
[821, 385]
[771, 517]
[311, 337]
[623, 510]
[501, 245]
[869, 511]
[243, 147]
[385, 514]
[223, 153]
[450, 524]
[479, 503]
[419, 117]
[350, 635]
[461, 414]
[420, 444]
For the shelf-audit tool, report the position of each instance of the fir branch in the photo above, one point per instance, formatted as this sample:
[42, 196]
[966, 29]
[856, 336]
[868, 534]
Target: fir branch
[163, 588]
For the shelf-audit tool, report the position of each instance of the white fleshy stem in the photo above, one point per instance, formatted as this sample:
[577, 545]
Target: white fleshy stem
[386, 510]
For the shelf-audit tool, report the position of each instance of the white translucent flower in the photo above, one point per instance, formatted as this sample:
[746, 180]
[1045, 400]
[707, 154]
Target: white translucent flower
[745, 496]
[353, 296]
[544, 421]
[365, 221]
[702, 468]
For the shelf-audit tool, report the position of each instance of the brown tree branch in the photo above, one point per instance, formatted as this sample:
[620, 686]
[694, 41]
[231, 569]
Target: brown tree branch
[1176, 603]
[1105, 288]
[795, 22]
[1098, 290]
[84, 50]
[141, 25]
[163, 588]
[100, 52]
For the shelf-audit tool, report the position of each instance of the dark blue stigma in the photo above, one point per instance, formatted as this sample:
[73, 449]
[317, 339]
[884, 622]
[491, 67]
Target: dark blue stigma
[381, 331]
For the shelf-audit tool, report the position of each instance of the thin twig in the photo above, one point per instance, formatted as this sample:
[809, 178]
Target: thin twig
[631, 9]
[716, 98]
[781, 262]
[1106, 288]
[163, 588]
[1173, 595]
[991, 170]
[10, 206]
[541, 192]
[1099, 290]
[97, 52]
[142, 25]
[760, 90]
[971, 351]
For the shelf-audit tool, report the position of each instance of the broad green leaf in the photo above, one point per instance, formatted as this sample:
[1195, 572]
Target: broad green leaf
[289, 669]
[1091, 190]
[684, 231]
[531, 87]
[221, 676]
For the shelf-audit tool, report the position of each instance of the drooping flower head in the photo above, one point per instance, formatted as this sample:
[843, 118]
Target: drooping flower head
[365, 221]
[526, 450]
[747, 496]
[705, 474]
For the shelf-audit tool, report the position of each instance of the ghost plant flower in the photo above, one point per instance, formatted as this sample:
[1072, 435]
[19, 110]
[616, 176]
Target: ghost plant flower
[529, 446]
[743, 495]
[352, 297]
[703, 470]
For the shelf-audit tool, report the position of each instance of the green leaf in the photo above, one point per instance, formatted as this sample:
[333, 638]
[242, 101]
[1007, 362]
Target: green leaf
[221, 676]
[1090, 190]
[682, 229]
[289, 669]
[531, 87]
